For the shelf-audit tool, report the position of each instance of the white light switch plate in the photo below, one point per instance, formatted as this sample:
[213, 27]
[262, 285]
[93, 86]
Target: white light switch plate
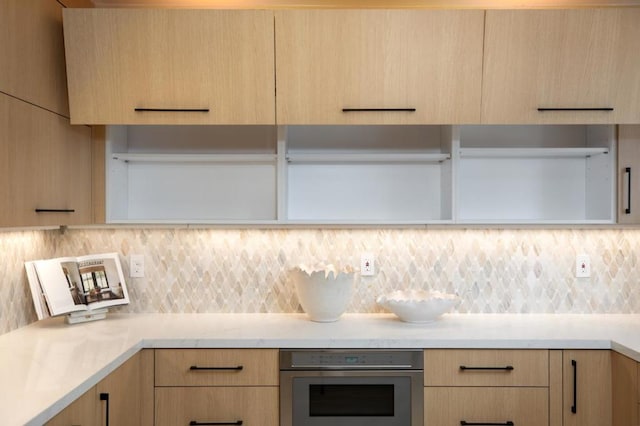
[367, 265]
[136, 266]
[583, 266]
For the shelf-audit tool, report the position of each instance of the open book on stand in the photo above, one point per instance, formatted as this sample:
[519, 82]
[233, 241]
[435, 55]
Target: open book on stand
[82, 287]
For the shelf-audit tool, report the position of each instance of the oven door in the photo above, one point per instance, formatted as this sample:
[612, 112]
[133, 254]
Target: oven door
[351, 398]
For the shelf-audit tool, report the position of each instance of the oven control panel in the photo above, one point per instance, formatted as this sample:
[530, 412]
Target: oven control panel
[305, 359]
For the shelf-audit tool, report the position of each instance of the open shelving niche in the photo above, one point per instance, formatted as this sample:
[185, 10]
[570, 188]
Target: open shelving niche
[536, 174]
[354, 175]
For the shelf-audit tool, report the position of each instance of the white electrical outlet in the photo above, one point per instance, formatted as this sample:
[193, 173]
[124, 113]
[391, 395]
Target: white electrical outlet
[583, 266]
[367, 264]
[136, 266]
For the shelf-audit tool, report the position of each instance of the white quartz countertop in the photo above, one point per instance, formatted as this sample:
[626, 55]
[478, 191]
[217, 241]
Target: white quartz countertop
[48, 364]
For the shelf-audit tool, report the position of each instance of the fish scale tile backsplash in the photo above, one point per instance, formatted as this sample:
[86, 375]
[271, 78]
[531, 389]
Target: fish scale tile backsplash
[247, 270]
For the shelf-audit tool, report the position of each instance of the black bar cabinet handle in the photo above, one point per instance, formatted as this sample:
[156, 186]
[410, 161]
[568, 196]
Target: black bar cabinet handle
[171, 109]
[55, 210]
[378, 109]
[507, 423]
[627, 170]
[195, 367]
[506, 368]
[574, 407]
[576, 109]
[195, 423]
[105, 397]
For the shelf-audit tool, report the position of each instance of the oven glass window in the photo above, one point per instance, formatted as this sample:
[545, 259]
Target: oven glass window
[351, 400]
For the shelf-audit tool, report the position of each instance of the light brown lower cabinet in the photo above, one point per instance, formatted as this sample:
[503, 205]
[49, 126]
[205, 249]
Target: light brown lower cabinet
[455, 406]
[125, 396]
[586, 388]
[251, 405]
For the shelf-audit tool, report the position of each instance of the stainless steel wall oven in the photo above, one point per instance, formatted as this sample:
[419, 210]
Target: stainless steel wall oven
[367, 387]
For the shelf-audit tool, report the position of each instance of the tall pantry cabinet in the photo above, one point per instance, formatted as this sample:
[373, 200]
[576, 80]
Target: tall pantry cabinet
[46, 173]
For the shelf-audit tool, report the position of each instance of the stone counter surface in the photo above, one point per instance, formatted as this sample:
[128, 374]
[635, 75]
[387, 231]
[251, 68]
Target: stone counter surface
[48, 364]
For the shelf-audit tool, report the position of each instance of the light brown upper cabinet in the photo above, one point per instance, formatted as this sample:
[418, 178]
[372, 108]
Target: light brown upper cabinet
[629, 174]
[561, 66]
[378, 66]
[32, 52]
[46, 167]
[162, 66]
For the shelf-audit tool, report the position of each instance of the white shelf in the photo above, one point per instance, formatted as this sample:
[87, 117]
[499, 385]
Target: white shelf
[194, 158]
[367, 158]
[531, 152]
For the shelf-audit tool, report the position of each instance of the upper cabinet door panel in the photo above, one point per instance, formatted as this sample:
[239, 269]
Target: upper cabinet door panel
[330, 60]
[561, 59]
[32, 53]
[120, 60]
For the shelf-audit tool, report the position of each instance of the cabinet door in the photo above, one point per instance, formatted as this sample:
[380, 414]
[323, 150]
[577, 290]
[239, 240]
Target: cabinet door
[573, 59]
[32, 51]
[629, 174]
[81, 412]
[331, 60]
[219, 63]
[587, 387]
[48, 167]
[129, 390]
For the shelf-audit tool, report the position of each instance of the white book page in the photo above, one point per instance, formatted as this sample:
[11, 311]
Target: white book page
[55, 286]
[39, 302]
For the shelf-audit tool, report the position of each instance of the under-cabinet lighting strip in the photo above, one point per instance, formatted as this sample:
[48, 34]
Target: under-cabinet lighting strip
[367, 158]
[530, 152]
[195, 158]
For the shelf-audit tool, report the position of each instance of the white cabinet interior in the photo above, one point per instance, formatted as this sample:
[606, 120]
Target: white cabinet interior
[376, 174]
[191, 174]
[368, 174]
[536, 174]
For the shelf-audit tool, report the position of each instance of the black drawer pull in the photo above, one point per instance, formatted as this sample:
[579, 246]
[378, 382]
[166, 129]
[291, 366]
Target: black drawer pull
[105, 397]
[627, 171]
[506, 368]
[195, 423]
[195, 367]
[55, 211]
[507, 423]
[171, 109]
[574, 407]
[378, 110]
[575, 109]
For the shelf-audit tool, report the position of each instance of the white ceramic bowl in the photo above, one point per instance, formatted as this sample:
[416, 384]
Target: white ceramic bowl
[323, 296]
[418, 306]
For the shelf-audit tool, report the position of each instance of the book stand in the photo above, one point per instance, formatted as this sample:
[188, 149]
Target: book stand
[86, 316]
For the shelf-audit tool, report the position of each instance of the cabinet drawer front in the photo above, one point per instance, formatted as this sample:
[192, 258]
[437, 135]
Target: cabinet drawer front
[486, 367]
[447, 406]
[216, 367]
[252, 405]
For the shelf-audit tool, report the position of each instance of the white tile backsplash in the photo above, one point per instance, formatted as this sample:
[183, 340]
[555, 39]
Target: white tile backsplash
[227, 270]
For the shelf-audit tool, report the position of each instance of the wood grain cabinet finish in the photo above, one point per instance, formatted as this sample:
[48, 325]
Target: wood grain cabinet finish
[216, 367]
[46, 166]
[216, 386]
[252, 405]
[486, 367]
[126, 394]
[84, 411]
[451, 406]
[120, 60]
[629, 174]
[330, 60]
[32, 51]
[580, 58]
[586, 387]
[486, 386]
